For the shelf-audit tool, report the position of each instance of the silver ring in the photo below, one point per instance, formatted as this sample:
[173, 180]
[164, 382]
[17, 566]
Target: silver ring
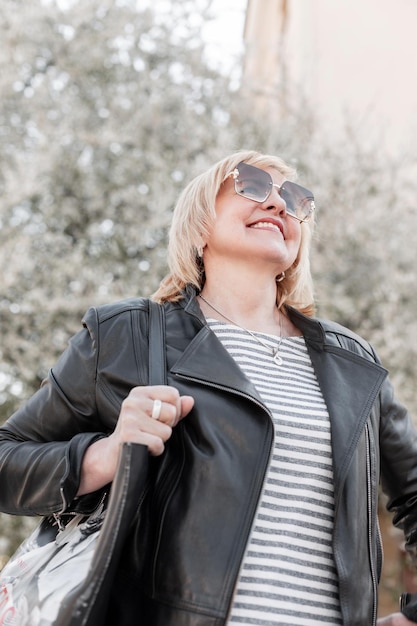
[156, 409]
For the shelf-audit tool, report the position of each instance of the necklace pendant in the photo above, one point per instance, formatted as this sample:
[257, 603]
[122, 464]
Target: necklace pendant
[277, 359]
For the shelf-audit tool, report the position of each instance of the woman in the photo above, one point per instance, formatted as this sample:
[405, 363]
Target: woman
[267, 443]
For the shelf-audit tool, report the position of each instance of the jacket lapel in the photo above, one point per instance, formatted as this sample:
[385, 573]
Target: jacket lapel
[349, 380]
[349, 384]
[206, 360]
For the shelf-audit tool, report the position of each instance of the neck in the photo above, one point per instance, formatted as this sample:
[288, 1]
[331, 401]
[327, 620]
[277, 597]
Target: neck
[251, 306]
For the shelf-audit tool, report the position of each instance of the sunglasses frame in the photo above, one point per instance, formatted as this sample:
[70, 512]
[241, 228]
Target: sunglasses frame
[286, 185]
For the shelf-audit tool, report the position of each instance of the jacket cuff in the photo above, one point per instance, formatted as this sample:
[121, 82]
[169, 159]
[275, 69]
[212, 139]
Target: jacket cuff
[71, 479]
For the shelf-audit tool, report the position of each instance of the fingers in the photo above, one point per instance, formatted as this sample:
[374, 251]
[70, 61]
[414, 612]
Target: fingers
[156, 409]
[149, 414]
[187, 403]
[161, 403]
[396, 619]
[167, 406]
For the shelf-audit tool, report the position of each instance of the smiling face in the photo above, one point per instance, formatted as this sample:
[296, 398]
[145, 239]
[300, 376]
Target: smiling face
[249, 232]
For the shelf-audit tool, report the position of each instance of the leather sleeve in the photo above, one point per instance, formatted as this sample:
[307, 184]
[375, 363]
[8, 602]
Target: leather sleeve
[398, 444]
[42, 444]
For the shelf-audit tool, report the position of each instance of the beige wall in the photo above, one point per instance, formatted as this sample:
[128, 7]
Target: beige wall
[349, 58]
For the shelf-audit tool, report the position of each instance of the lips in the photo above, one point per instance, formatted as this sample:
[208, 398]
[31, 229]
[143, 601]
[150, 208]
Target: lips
[268, 225]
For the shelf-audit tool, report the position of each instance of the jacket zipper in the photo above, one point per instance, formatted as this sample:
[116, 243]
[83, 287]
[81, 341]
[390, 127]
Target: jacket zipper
[58, 516]
[64, 504]
[369, 494]
[255, 401]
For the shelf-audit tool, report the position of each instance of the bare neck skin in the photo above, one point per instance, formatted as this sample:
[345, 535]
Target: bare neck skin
[248, 298]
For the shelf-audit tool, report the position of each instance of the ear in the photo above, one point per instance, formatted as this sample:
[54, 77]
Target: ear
[200, 249]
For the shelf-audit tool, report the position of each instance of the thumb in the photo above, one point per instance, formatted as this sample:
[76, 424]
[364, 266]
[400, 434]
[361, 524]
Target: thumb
[187, 403]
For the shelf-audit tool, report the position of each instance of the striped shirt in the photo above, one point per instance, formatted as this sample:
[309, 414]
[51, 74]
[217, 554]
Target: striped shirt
[288, 575]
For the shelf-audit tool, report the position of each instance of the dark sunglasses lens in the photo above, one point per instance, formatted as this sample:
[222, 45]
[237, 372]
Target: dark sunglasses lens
[299, 200]
[253, 183]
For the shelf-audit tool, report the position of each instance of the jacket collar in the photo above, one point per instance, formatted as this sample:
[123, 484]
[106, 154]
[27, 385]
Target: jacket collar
[310, 327]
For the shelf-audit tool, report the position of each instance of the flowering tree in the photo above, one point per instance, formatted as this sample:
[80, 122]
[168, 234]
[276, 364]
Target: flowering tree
[106, 110]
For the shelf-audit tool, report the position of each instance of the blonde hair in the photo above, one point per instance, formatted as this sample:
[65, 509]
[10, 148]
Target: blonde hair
[191, 223]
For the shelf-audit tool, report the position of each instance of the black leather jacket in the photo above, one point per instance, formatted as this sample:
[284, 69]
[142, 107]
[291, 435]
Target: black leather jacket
[183, 558]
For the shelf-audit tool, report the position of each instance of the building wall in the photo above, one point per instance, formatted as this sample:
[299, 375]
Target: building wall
[351, 59]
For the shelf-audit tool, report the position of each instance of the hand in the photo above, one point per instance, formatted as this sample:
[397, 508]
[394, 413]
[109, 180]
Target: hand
[135, 424]
[396, 619]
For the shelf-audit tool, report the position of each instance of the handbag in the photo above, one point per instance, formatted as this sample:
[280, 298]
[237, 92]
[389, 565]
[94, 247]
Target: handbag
[63, 573]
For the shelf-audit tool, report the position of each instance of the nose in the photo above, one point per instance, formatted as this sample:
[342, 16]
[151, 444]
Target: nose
[274, 202]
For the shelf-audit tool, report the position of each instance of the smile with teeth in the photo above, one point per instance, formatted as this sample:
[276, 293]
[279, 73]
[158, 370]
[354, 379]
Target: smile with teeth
[267, 225]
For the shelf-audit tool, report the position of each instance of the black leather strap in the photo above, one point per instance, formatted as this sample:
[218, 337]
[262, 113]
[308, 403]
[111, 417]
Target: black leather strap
[408, 606]
[157, 358]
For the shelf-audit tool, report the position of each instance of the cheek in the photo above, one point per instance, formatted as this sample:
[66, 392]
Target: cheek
[295, 243]
[294, 233]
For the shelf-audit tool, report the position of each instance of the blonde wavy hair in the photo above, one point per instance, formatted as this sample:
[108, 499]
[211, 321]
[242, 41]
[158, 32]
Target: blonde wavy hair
[193, 217]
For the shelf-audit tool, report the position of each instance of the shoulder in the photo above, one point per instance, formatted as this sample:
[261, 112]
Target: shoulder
[336, 334]
[105, 312]
[122, 307]
[326, 334]
[117, 316]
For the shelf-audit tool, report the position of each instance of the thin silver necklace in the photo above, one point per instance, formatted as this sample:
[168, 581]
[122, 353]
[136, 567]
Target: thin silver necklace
[275, 351]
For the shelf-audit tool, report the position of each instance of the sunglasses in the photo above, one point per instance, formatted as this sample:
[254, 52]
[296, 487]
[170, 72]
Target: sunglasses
[256, 184]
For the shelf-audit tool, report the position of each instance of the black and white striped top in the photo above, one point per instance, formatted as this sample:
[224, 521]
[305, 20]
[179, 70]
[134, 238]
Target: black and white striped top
[288, 574]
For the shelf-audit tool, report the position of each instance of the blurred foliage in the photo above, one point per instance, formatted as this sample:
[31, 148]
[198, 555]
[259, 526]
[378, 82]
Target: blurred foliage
[107, 110]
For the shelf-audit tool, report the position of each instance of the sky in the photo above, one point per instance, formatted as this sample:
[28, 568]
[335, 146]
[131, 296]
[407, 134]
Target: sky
[224, 35]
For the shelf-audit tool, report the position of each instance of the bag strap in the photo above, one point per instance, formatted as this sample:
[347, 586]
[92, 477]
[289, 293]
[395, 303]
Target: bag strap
[87, 605]
[157, 357]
